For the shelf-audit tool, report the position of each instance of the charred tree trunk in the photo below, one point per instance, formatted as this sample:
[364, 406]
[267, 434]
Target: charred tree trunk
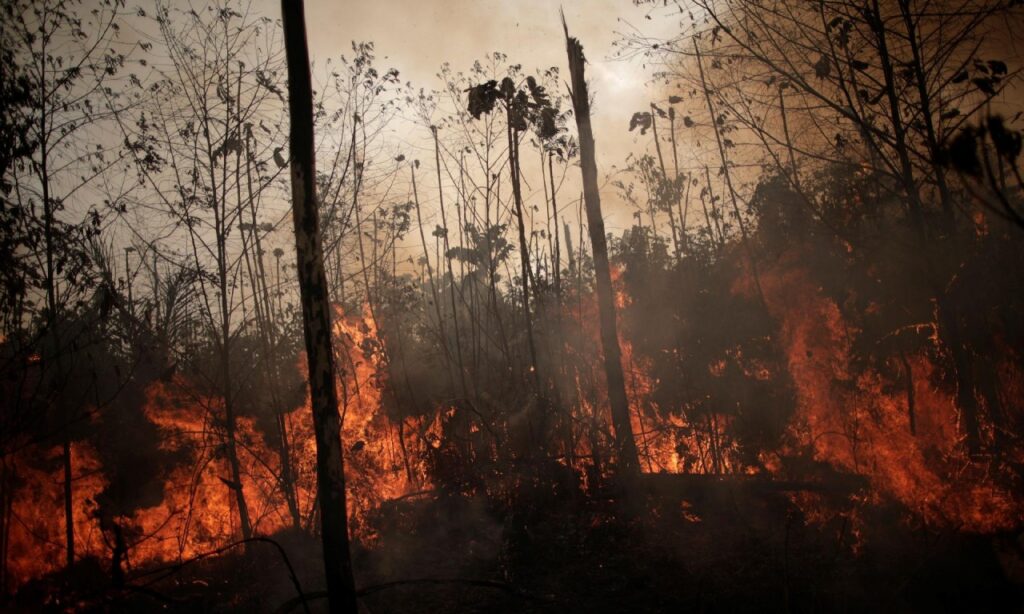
[627, 454]
[69, 511]
[908, 381]
[316, 317]
[557, 256]
[7, 479]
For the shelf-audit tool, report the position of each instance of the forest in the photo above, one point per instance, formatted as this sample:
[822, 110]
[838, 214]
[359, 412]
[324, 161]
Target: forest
[767, 357]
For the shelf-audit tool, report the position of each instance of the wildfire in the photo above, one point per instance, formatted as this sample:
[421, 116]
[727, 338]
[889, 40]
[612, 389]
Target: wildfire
[859, 422]
[36, 540]
[850, 417]
[197, 511]
[667, 442]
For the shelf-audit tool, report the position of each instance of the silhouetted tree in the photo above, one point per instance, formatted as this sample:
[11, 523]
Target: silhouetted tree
[316, 316]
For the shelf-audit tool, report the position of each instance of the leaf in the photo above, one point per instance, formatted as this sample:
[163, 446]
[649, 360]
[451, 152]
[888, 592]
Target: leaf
[545, 123]
[1008, 142]
[508, 88]
[642, 120]
[540, 97]
[823, 67]
[262, 79]
[985, 85]
[962, 153]
[482, 98]
[998, 67]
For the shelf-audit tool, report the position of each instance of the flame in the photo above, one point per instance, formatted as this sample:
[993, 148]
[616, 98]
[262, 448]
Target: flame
[375, 470]
[36, 532]
[198, 511]
[848, 416]
[856, 420]
[667, 442]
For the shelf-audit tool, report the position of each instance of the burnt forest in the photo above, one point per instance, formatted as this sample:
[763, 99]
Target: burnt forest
[511, 306]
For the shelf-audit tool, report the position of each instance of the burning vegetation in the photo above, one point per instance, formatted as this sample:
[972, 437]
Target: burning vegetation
[792, 382]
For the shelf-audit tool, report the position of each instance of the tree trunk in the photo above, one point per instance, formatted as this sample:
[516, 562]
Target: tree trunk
[683, 210]
[51, 320]
[7, 479]
[316, 317]
[664, 178]
[627, 454]
[557, 256]
[947, 318]
[442, 334]
[448, 261]
[524, 249]
[261, 295]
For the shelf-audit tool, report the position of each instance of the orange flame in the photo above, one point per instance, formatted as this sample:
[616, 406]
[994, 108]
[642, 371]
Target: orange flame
[198, 511]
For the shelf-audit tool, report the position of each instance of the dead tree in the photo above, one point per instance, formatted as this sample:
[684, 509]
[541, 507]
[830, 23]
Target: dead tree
[316, 317]
[626, 446]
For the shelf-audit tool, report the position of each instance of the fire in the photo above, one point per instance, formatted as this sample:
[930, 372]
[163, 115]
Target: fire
[667, 442]
[853, 418]
[858, 421]
[36, 539]
[197, 512]
[376, 468]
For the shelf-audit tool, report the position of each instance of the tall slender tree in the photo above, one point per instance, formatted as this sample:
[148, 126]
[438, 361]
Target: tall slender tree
[625, 444]
[316, 317]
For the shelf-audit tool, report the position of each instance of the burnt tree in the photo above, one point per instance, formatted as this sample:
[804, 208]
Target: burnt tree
[625, 445]
[316, 317]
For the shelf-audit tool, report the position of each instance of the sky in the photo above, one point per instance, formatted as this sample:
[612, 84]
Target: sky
[417, 37]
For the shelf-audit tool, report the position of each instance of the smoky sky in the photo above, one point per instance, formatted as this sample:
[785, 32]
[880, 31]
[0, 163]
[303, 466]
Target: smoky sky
[417, 37]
